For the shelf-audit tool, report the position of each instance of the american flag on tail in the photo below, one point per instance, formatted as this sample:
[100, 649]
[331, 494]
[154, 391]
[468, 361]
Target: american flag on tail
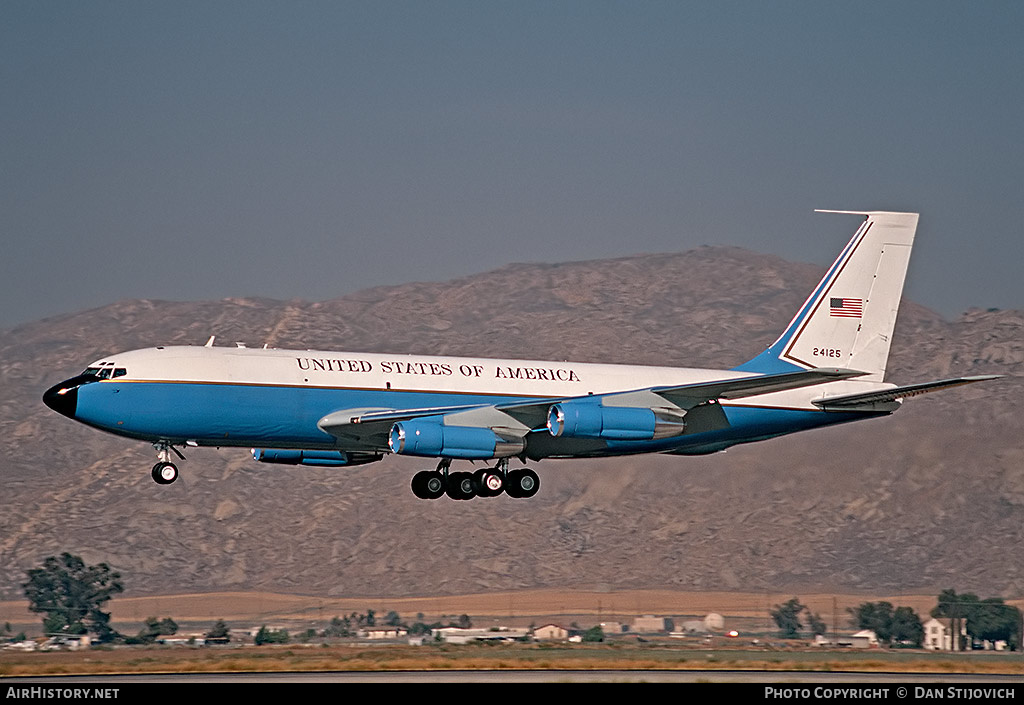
[845, 308]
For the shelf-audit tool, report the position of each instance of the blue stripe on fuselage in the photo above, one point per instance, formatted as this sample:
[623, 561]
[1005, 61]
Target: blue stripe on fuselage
[225, 414]
[241, 414]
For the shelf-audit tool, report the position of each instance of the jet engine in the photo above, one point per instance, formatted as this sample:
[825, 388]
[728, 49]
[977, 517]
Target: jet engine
[316, 458]
[615, 423]
[429, 437]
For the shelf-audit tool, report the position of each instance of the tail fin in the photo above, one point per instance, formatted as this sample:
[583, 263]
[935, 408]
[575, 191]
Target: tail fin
[848, 320]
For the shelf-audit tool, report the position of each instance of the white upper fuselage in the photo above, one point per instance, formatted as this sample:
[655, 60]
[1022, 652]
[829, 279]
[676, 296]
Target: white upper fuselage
[432, 374]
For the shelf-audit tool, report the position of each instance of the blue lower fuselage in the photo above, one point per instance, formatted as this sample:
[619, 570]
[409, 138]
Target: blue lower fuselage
[282, 416]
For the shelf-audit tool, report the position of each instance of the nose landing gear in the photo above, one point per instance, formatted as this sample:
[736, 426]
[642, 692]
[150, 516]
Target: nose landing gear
[165, 472]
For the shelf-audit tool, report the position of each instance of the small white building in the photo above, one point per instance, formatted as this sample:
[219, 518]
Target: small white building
[182, 640]
[938, 634]
[457, 635]
[612, 628]
[649, 624]
[551, 632]
[861, 640]
[864, 639]
[692, 626]
[385, 632]
[714, 622]
[69, 642]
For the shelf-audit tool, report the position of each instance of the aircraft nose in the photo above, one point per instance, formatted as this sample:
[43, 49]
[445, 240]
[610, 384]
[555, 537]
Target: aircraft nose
[63, 397]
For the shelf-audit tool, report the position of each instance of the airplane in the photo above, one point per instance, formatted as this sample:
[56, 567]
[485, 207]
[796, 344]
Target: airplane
[342, 409]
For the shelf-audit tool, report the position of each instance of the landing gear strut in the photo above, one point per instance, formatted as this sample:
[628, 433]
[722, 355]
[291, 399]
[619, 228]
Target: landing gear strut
[165, 472]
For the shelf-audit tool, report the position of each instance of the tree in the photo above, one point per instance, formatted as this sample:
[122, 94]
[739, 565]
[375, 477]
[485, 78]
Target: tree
[71, 595]
[816, 624]
[219, 634]
[890, 625]
[155, 628]
[907, 627]
[419, 627]
[876, 616]
[787, 618]
[594, 634]
[339, 627]
[986, 620]
[958, 609]
[993, 620]
[271, 636]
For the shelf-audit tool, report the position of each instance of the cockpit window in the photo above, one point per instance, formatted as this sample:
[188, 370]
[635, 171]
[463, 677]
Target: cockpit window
[106, 370]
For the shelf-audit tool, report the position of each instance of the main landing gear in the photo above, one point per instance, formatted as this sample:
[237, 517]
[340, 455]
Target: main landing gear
[485, 482]
[165, 472]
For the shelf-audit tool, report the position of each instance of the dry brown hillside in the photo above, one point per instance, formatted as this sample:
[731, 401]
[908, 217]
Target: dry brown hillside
[928, 499]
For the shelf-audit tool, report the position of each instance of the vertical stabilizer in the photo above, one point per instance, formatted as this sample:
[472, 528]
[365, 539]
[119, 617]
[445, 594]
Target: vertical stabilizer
[849, 318]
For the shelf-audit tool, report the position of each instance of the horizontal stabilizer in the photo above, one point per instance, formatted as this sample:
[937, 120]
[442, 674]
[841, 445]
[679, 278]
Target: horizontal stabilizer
[887, 399]
[689, 395]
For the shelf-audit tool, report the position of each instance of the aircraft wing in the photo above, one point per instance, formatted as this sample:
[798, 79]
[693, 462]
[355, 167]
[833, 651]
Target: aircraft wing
[887, 399]
[687, 396]
[369, 428]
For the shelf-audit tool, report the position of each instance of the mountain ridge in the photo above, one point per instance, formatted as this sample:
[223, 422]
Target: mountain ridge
[932, 497]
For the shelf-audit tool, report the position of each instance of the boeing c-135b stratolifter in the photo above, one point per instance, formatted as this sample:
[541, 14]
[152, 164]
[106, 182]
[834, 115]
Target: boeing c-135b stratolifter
[336, 409]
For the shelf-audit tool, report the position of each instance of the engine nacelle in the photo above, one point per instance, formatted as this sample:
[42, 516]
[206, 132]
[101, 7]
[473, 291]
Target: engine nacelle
[614, 423]
[428, 437]
[315, 458]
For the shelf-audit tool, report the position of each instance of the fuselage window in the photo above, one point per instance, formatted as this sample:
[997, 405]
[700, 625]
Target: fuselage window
[120, 372]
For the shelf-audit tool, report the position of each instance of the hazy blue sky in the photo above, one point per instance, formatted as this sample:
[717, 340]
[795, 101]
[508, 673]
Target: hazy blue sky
[192, 150]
